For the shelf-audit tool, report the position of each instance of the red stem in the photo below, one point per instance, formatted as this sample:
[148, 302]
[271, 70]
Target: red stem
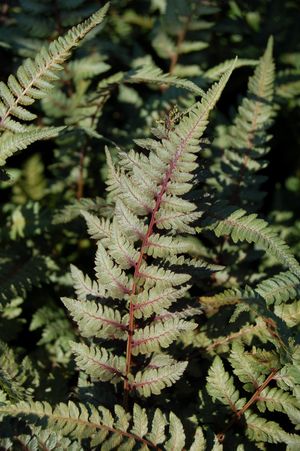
[145, 243]
[136, 274]
[252, 400]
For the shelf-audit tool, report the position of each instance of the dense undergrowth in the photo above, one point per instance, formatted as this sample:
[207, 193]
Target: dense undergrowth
[150, 181]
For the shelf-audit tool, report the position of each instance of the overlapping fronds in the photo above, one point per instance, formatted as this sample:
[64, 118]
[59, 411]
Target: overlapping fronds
[242, 227]
[255, 371]
[102, 428]
[15, 377]
[139, 229]
[274, 290]
[178, 310]
[20, 276]
[35, 78]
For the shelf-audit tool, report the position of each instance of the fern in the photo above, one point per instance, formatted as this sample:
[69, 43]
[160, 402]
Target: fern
[17, 277]
[16, 378]
[101, 427]
[11, 143]
[34, 78]
[243, 227]
[259, 429]
[172, 161]
[33, 81]
[220, 386]
[152, 74]
[277, 289]
[248, 137]
[182, 334]
[249, 369]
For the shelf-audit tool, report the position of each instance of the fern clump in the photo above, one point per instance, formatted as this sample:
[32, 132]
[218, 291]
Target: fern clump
[150, 270]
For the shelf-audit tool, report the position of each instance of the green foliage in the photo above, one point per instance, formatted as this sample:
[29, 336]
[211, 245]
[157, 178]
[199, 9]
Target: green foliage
[150, 233]
[248, 138]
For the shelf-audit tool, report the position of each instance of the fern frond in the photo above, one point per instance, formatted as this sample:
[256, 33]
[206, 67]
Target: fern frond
[11, 143]
[161, 335]
[98, 228]
[121, 249]
[140, 419]
[141, 192]
[110, 276]
[98, 363]
[199, 443]
[215, 72]
[155, 274]
[287, 84]
[96, 320]
[249, 138]
[290, 313]
[245, 335]
[274, 290]
[275, 399]
[279, 288]
[39, 439]
[34, 78]
[156, 298]
[154, 75]
[99, 425]
[14, 376]
[88, 67]
[227, 297]
[157, 435]
[164, 246]
[220, 386]
[84, 286]
[77, 206]
[154, 380]
[260, 430]
[193, 265]
[130, 224]
[242, 227]
[177, 440]
[175, 153]
[246, 368]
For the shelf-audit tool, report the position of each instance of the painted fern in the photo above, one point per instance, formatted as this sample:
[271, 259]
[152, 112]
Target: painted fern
[106, 429]
[33, 81]
[186, 335]
[249, 138]
[134, 256]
